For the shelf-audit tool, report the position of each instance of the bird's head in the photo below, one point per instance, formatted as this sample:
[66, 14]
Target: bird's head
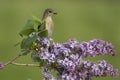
[48, 12]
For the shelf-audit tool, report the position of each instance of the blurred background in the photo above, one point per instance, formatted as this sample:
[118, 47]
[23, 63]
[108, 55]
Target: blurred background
[80, 19]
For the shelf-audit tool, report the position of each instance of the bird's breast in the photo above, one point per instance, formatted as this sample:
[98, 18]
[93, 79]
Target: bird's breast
[49, 25]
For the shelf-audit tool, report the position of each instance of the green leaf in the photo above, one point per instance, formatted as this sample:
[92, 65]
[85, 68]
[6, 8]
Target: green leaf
[43, 33]
[28, 28]
[41, 27]
[28, 42]
[37, 20]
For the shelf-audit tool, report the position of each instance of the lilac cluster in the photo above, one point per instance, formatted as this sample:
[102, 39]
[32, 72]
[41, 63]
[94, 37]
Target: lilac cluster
[86, 70]
[78, 69]
[67, 59]
[96, 47]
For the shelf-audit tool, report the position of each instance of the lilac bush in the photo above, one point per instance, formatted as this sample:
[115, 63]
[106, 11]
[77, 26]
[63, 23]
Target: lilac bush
[68, 59]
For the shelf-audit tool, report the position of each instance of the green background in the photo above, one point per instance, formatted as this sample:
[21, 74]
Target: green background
[80, 19]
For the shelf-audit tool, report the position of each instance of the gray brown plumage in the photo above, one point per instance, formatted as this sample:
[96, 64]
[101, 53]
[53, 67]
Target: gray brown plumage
[47, 18]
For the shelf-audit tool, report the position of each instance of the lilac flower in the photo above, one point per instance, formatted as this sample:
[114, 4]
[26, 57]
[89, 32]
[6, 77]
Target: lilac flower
[103, 69]
[95, 70]
[67, 59]
[71, 43]
[96, 47]
[47, 56]
[1, 65]
[69, 76]
[54, 52]
[47, 74]
[67, 64]
[45, 42]
[84, 48]
[114, 73]
[59, 49]
[87, 64]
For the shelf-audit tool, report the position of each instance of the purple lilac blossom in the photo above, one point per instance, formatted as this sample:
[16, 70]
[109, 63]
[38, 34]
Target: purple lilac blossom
[96, 47]
[1, 65]
[47, 74]
[68, 59]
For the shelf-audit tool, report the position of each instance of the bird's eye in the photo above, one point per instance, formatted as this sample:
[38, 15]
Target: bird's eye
[50, 11]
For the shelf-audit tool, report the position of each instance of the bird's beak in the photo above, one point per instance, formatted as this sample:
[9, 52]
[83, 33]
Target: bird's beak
[55, 13]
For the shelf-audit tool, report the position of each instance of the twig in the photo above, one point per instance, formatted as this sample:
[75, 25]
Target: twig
[12, 60]
[20, 54]
[30, 65]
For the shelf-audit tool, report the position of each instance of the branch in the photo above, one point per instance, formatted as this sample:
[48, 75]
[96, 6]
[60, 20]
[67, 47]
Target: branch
[29, 65]
[13, 59]
[20, 54]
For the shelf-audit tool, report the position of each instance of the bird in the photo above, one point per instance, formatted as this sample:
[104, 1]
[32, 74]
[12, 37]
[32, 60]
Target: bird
[47, 19]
